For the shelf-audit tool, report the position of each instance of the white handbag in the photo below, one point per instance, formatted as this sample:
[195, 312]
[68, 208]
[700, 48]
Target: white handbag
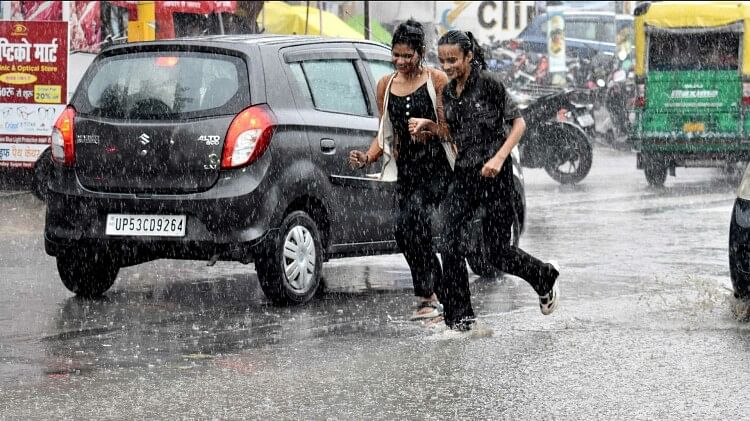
[389, 171]
[450, 153]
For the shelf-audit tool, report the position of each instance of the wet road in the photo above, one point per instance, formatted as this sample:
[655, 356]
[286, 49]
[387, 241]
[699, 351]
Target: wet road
[647, 328]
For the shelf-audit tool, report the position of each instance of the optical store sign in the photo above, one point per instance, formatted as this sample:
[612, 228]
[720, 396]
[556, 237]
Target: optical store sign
[33, 87]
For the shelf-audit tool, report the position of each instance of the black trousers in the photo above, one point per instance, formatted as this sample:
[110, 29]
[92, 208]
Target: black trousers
[468, 191]
[414, 235]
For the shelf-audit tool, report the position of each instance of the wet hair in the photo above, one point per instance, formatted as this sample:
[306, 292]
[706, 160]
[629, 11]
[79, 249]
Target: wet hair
[467, 43]
[410, 33]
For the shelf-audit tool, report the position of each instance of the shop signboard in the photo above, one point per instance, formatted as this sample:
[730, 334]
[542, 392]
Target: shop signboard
[33, 87]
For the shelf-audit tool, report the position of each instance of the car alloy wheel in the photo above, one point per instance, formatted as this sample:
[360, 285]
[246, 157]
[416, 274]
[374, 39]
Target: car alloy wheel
[290, 263]
[299, 258]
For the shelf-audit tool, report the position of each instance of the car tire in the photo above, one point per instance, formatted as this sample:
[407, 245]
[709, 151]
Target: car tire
[42, 174]
[86, 273]
[289, 268]
[656, 173]
[479, 263]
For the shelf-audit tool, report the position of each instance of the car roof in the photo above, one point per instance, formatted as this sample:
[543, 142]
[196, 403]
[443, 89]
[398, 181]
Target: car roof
[244, 40]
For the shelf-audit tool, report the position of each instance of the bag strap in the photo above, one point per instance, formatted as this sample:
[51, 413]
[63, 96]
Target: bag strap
[384, 115]
[450, 150]
[388, 92]
[433, 93]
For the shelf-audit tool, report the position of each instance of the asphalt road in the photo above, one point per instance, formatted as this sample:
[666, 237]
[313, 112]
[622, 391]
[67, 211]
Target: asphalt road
[647, 329]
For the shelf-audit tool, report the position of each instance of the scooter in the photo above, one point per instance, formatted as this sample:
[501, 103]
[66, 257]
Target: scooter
[552, 142]
[613, 102]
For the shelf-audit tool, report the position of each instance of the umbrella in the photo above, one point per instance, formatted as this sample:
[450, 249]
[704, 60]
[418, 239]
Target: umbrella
[283, 18]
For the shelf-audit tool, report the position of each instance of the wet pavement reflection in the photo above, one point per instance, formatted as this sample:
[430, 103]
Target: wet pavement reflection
[648, 328]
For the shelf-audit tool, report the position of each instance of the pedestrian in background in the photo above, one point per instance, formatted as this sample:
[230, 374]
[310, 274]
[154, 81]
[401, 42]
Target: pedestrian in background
[422, 161]
[476, 108]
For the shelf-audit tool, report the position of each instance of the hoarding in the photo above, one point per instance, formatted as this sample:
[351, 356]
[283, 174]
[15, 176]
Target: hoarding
[33, 87]
[556, 39]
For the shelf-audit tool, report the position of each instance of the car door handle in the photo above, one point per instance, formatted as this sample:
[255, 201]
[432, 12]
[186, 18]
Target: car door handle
[327, 145]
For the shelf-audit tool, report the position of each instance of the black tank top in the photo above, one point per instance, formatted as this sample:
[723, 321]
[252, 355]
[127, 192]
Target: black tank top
[419, 164]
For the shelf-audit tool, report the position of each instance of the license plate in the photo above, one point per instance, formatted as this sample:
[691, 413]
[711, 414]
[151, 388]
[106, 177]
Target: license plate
[585, 120]
[693, 127]
[146, 225]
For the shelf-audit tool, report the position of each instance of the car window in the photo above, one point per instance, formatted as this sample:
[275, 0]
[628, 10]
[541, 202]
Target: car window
[699, 51]
[299, 76]
[335, 86]
[163, 85]
[380, 68]
[581, 29]
[605, 30]
[535, 28]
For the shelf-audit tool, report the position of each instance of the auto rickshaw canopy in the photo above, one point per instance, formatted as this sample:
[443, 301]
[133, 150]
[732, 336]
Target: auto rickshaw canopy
[675, 15]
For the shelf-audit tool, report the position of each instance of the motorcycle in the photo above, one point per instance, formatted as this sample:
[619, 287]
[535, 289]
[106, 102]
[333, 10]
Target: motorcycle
[552, 142]
[612, 100]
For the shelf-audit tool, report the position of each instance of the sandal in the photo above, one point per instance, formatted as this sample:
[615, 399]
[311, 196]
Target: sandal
[419, 314]
[435, 323]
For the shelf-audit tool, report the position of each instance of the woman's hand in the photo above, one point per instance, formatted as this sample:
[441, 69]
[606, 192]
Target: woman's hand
[420, 128]
[358, 159]
[492, 167]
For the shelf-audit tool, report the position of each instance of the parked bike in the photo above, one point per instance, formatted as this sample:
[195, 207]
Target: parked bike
[552, 142]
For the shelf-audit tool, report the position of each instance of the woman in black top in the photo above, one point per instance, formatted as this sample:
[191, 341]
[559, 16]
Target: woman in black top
[422, 162]
[476, 108]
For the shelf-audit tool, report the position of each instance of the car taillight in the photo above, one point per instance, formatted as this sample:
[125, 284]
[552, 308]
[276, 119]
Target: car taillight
[640, 98]
[63, 145]
[248, 136]
[746, 93]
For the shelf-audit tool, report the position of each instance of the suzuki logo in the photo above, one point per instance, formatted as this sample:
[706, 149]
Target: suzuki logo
[145, 140]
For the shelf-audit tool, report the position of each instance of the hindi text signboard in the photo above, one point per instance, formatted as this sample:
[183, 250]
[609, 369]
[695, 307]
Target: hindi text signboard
[33, 87]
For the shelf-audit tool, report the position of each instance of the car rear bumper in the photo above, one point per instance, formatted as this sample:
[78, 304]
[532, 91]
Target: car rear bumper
[692, 158]
[217, 224]
[739, 248]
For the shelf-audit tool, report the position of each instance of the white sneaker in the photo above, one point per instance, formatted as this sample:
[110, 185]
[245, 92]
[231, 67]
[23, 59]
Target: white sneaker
[548, 302]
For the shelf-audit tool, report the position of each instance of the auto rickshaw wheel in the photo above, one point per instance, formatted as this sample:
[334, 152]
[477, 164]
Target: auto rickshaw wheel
[656, 173]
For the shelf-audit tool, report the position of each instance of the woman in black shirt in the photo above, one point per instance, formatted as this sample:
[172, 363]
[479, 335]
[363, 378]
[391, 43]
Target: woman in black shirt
[476, 108]
[422, 161]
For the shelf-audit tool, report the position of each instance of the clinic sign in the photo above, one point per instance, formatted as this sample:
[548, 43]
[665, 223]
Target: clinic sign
[33, 87]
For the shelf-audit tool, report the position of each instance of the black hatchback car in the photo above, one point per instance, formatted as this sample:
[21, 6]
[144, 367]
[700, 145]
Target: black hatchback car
[223, 148]
[739, 240]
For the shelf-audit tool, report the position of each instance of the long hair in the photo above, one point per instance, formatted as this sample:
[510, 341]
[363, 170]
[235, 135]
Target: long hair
[467, 43]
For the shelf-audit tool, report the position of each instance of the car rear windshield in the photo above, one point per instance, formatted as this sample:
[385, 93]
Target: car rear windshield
[696, 51]
[157, 86]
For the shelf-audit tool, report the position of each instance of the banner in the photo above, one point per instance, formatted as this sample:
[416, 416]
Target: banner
[33, 87]
[38, 10]
[556, 39]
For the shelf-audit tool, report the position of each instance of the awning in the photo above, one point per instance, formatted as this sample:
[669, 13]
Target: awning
[696, 14]
[278, 17]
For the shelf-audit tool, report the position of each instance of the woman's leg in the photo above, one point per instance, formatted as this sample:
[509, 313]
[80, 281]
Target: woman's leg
[496, 228]
[414, 239]
[458, 209]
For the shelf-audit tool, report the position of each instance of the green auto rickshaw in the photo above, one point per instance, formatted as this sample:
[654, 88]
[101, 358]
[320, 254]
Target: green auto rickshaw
[693, 86]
